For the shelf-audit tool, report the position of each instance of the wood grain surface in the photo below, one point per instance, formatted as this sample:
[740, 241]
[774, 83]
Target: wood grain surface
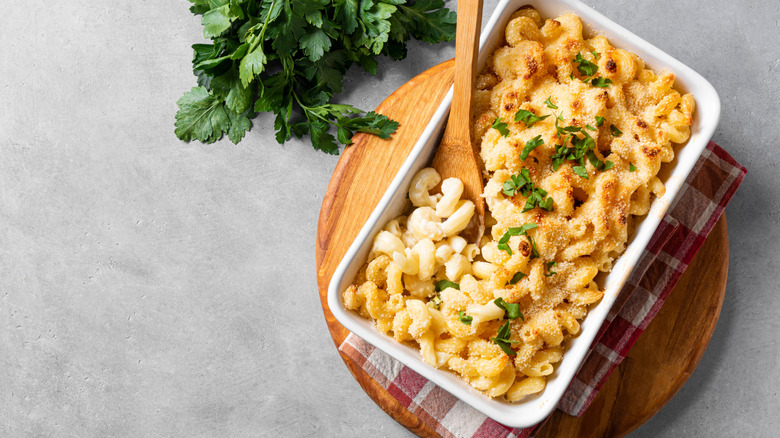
[656, 368]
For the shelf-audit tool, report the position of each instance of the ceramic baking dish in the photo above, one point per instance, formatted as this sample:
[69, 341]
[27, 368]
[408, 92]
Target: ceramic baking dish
[532, 410]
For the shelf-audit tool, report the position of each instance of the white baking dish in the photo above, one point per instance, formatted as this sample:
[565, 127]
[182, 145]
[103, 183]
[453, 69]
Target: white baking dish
[532, 410]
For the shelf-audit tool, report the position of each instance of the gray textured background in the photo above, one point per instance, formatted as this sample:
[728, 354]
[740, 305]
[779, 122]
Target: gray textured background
[156, 288]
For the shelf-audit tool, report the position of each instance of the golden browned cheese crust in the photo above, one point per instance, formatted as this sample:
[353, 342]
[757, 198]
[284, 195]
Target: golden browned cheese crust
[427, 287]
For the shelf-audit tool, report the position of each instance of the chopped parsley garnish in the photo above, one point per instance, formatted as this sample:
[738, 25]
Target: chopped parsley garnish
[601, 82]
[599, 121]
[528, 117]
[588, 126]
[512, 309]
[444, 284]
[615, 131]
[581, 171]
[589, 70]
[500, 127]
[631, 167]
[516, 278]
[585, 67]
[531, 145]
[534, 250]
[580, 148]
[436, 301]
[547, 267]
[516, 183]
[521, 182]
[503, 244]
[549, 103]
[598, 164]
[502, 339]
[465, 319]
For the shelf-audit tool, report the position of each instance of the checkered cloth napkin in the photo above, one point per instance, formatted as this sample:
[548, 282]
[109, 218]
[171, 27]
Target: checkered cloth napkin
[697, 208]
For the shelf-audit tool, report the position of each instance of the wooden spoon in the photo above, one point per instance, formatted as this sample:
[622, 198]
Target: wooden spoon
[457, 155]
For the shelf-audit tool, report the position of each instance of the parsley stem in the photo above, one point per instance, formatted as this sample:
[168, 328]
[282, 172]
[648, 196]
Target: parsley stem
[265, 23]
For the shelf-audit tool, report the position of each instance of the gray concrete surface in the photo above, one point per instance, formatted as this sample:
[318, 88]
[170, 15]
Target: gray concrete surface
[156, 288]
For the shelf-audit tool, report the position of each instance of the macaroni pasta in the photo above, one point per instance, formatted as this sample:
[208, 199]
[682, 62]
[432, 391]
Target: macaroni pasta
[587, 128]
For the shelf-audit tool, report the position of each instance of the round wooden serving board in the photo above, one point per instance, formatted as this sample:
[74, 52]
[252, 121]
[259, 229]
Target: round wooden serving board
[655, 369]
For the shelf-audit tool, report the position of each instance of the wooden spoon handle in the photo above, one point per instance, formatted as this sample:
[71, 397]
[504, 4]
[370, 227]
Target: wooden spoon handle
[466, 49]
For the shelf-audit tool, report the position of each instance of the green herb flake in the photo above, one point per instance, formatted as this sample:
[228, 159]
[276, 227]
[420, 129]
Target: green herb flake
[516, 278]
[601, 82]
[534, 249]
[512, 309]
[521, 183]
[631, 167]
[528, 117]
[615, 131]
[444, 284]
[503, 243]
[590, 128]
[581, 171]
[549, 103]
[465, 319]
[585, 67]
[548, 269]
[502, 339]
[599, 121]
[530, 145]
[501, 127]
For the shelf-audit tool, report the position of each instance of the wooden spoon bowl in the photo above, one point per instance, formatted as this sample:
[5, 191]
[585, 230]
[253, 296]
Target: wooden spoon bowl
[457, 155]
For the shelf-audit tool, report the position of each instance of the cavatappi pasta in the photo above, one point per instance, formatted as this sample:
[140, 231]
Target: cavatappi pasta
[573, 133]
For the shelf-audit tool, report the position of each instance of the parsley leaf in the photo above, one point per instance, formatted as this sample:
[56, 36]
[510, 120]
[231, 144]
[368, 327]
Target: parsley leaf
[512, 309]
[534, 249]
[528, 117]
[516, 182]
[530, 145]
[578, 150]
[201, 116]
[465, 319]
[547, 267]
[216, 21]
[631, 167]
[314, 44]
[516, 278]
[588, 126]
[615, 131]
[521, 183]
[502, 339]
[601, 82]
[426, 19]
[585, 67]
[444, 284]
[549, 103]
[503, 243]
[436, 302]
[599, 121]
[500, 126]
[580, 170]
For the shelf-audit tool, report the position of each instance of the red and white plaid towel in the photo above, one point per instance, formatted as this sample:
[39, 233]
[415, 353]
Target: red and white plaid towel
[690, 219]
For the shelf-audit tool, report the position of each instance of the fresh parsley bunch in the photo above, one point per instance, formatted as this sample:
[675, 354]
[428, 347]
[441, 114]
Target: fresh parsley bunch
[289, 57]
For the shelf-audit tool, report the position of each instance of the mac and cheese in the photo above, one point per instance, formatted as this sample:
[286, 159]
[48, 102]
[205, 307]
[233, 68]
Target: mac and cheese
[572, 133]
